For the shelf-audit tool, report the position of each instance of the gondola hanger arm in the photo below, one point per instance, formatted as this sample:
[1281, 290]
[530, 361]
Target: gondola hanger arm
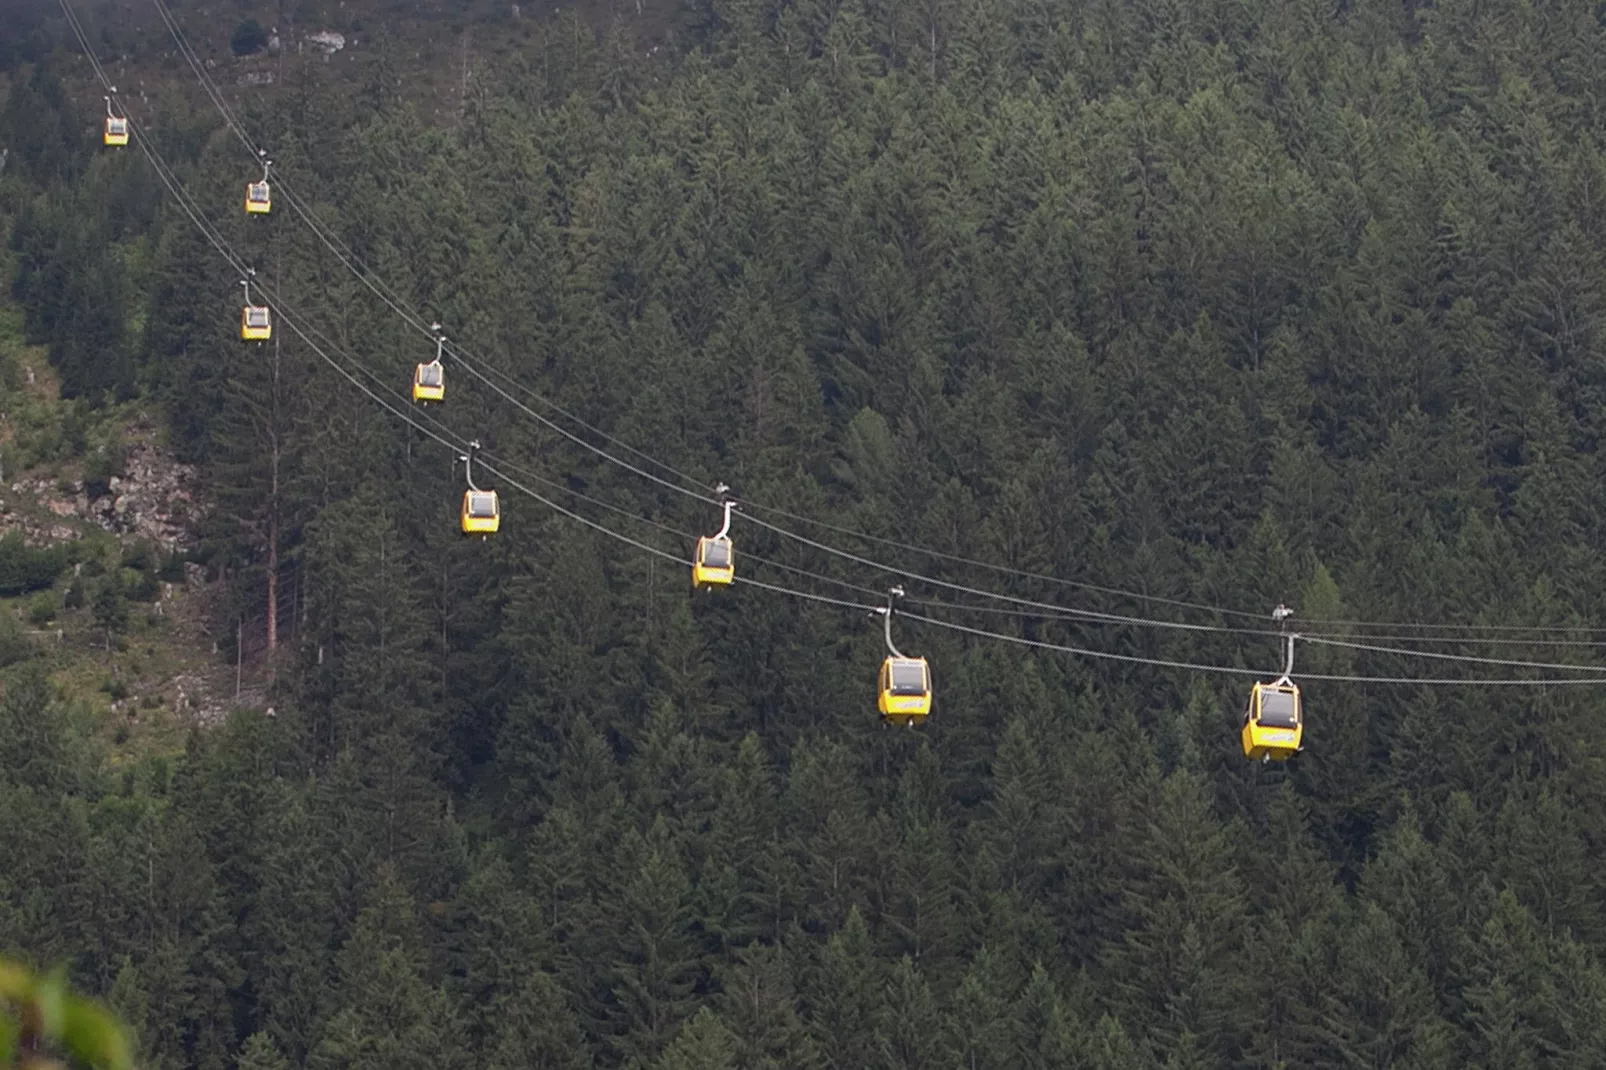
[723, 490]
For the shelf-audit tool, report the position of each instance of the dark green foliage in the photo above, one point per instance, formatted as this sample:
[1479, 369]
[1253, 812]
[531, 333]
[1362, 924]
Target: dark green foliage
[42, 609]
[100, 465]
[14, 645]
[534, 1029]
[260, 1053]
[39, 124]
[24, 568]
[248, 37]
[386, 1012]
[109, 603]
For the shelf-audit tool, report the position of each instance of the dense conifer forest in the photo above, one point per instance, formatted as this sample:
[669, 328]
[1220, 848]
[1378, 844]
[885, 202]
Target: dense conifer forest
[1228, 302]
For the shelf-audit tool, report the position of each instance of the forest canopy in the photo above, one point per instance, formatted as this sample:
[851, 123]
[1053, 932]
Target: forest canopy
[1220, 304]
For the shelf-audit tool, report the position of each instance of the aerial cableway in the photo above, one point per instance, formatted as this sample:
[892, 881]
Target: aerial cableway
[1273, 721]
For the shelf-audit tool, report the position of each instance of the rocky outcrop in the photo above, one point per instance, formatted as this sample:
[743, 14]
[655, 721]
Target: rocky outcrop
[154, 498]
[327, 41]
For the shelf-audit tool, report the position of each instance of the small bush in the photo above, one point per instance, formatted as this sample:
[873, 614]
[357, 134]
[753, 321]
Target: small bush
[116, 689]
[249, 37]
[140, 556]
[100, 466]
[109, 604]
[75, 595]
[141, 587]
[75, 431]
[24, 569]
[172, 567]
[43, 609]
[14, 646]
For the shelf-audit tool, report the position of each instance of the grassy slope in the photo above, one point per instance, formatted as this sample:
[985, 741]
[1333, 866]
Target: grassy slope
[125, 692]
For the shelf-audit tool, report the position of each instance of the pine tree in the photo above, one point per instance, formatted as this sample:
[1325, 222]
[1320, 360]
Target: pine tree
[1366, 1003]
[844, 996]
[1046, 1037]
[1407, 881]
[1184, 910]
[909, 1033]
[979, 1022]
[747, 888]
[1014, 836]
[260, 1053]
[672, 774]
[534, 1029]
[758, 1005]
[919, 909]
[1508, 997]
[703, 1043]
[36, 750]
[828, 818]
[650, 969]
[494, 936]
[388, 1014]
[1543, 862]
[1109, 1048]
[291, 924]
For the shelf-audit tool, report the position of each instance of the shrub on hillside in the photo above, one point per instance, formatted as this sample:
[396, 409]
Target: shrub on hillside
[249, 37]
[100, 465]
[14, 645]
[43, 609]
[24, 568]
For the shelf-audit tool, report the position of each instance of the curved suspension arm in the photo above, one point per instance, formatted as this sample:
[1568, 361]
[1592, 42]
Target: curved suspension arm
[886, 613]
[246, 282]
[468, 464]
[730, 503]
[440, 341]
[1287, 638]
[109, 114]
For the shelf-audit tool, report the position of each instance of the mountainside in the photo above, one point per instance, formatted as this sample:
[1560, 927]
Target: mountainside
[1100, 329]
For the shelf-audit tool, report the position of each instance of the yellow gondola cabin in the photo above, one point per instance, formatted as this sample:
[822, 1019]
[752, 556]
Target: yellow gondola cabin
[715, 562]
[116, 130]
[482, 512]
[255, 324]
[258, 198]
[1274, 722]
[429, 382]
[905, 688]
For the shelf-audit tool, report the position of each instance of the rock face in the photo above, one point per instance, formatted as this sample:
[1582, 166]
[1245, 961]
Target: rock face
[154, 499]
[328, 41]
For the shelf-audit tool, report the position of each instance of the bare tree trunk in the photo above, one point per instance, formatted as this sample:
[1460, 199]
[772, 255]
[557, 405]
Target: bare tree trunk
[273, 493]
[273, 518]
[446, 609]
